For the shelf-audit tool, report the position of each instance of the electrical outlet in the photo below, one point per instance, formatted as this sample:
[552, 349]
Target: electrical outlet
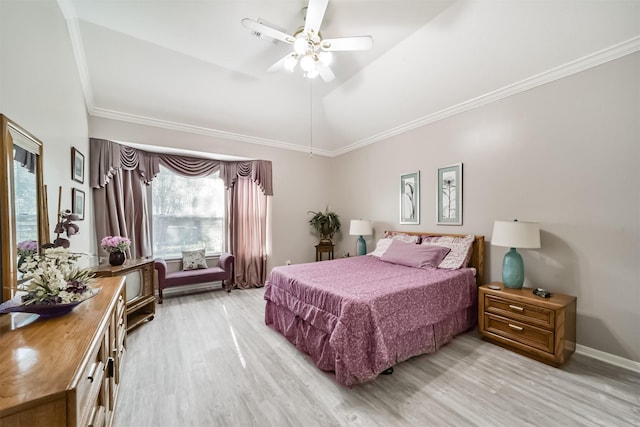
[288, 262]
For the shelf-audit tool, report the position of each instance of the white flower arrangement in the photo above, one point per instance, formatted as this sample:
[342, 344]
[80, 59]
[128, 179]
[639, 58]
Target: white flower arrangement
[54, 278]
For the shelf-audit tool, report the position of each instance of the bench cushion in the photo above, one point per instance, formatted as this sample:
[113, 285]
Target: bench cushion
[188, 277]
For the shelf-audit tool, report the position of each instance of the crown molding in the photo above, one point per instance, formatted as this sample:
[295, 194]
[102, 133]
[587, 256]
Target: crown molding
[69, 14]
[199, 130]
[598, 58]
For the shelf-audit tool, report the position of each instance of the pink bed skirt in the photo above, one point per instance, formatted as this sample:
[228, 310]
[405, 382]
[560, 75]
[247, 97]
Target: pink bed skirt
[316, 343]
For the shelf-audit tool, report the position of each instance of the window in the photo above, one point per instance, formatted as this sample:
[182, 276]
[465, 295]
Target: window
[188, 213]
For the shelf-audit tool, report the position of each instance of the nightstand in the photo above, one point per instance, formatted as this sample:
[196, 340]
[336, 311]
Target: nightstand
[541, 328]
[324, 247]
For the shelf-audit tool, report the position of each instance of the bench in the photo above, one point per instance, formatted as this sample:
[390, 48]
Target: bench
[223, 271]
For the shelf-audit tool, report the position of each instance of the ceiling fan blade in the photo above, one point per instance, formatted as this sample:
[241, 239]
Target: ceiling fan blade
[315, 14]
[260, 28]
[279, 65]
[347, 43]
[325, 72]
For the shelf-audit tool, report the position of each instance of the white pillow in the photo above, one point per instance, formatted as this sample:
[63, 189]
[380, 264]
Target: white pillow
[381, 247]
[402, 237]
[461, 248]
[193, 260]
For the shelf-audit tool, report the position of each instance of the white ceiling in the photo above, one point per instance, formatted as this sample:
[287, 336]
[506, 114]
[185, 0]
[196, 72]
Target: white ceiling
[191, 65]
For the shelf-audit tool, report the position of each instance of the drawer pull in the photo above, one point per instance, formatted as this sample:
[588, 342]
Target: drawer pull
[517, 328]
[515, 307]
[92, 372]
[110, 367]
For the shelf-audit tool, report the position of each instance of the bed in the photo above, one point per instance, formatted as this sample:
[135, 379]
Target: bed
[360, 316]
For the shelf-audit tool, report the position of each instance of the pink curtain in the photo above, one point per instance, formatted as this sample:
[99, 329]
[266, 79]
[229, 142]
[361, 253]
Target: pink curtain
[248, 232]
[121, 210]
[119, 175]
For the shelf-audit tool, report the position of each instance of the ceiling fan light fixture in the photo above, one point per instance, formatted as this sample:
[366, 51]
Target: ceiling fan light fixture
[291, 62]
[307, 63]
[301, 45]
[325, 57]
[310, 49]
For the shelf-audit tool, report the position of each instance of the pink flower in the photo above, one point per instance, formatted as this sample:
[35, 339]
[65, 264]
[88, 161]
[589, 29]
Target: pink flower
[115, 244]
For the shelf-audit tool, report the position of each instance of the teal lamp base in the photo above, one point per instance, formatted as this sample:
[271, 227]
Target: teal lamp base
[361, 246]
[512, 270]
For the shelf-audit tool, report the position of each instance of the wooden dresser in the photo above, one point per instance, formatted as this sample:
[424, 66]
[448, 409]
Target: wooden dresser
[64, 371]
[541, 328]
[141, 301]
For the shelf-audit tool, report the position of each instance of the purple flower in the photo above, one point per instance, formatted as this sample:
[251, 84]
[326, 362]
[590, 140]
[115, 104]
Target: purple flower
[27, 247]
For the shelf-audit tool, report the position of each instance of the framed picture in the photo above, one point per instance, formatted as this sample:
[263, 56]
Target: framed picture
[410, 198]
[77, 202]
[450, 195]
[77, 165]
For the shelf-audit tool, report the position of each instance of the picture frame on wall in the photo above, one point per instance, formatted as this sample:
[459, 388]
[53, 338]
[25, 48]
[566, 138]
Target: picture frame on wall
[449, 191]
[410, 198]
[77, 165]
[77, 203]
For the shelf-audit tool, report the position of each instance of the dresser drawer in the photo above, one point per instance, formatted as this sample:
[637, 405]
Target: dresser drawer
[528, 313]
[522, 333]
[89, 385]
[98, 417]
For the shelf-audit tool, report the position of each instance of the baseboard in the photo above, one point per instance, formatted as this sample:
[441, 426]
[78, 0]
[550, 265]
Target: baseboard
[608, 358]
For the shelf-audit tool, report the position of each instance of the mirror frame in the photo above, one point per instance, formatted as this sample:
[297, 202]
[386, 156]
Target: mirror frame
[8, 244]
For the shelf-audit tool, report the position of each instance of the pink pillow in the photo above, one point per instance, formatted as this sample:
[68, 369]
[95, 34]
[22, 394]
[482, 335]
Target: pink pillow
[412, 255]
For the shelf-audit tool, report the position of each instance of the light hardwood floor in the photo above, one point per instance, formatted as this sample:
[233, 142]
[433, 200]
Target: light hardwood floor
[208, 359]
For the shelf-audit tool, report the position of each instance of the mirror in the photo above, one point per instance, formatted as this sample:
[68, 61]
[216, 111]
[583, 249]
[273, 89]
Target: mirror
[23, 213]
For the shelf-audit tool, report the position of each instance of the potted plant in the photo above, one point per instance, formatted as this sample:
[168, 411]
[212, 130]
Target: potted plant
[325, 223]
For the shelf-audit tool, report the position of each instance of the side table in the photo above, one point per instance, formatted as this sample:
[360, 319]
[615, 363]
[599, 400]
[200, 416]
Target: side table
[323, 247]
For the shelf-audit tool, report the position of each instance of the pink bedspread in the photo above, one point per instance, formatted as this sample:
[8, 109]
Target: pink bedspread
[359, 316]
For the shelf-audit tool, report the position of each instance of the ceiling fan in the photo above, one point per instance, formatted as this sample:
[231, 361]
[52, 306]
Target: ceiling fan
[310, 50]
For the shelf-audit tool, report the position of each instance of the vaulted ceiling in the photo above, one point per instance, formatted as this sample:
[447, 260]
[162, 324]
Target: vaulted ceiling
[191, 65]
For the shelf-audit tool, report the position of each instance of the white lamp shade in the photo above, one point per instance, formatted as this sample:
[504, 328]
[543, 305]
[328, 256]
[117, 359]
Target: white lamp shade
[516, 234]
[360, 227]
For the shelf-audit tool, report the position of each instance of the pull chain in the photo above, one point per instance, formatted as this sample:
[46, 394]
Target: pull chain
[310, 118]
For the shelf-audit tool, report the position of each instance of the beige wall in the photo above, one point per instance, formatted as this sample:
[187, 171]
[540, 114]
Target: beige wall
[40, 90]
[566, 154]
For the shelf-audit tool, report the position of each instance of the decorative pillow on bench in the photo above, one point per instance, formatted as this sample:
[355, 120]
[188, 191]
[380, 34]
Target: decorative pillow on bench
[193, 260]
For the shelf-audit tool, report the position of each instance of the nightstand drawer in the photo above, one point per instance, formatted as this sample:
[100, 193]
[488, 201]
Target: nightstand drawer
[523, 333]
[512, 309]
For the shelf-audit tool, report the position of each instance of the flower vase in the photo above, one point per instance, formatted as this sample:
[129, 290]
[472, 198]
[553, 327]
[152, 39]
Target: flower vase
[116, 258]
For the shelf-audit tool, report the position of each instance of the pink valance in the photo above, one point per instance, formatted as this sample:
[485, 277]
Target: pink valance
[108, 156]
[259, 171]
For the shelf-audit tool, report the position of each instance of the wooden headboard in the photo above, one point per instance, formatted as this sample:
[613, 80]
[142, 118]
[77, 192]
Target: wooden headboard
[477, 254]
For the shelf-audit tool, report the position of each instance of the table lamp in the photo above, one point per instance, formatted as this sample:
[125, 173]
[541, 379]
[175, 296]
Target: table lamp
[360, 227]
[515, 234]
